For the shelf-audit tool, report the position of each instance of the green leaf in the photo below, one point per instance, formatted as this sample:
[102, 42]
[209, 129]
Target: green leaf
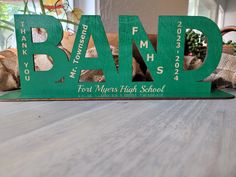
[34, 6]
[7, 22]
[42, 7]
[7, 28]
[26, 6]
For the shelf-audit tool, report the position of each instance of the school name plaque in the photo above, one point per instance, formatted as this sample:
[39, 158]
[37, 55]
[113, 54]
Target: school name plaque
[165, 63]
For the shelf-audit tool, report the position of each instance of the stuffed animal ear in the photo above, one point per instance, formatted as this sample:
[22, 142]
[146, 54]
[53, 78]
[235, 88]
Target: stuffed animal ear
[9, 73]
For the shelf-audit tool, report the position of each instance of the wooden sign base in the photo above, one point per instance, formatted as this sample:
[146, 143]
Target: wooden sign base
[15, 96]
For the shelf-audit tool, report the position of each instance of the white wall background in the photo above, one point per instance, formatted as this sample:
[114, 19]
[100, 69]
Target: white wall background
[88, 6]
[230, 19]
[222, 3]
[147, 10]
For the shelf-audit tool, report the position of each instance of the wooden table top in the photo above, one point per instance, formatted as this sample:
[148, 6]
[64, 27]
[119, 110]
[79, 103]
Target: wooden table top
[162, 138]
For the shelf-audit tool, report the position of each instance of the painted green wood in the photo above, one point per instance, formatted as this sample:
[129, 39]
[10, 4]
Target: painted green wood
[165, 66]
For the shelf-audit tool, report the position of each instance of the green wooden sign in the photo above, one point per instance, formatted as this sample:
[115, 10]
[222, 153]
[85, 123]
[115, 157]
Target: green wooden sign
[170, 80]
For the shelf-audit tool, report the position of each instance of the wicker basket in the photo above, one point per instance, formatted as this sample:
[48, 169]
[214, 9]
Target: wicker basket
[229, 49]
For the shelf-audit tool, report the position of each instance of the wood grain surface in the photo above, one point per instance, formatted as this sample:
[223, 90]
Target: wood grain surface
[162, 138]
